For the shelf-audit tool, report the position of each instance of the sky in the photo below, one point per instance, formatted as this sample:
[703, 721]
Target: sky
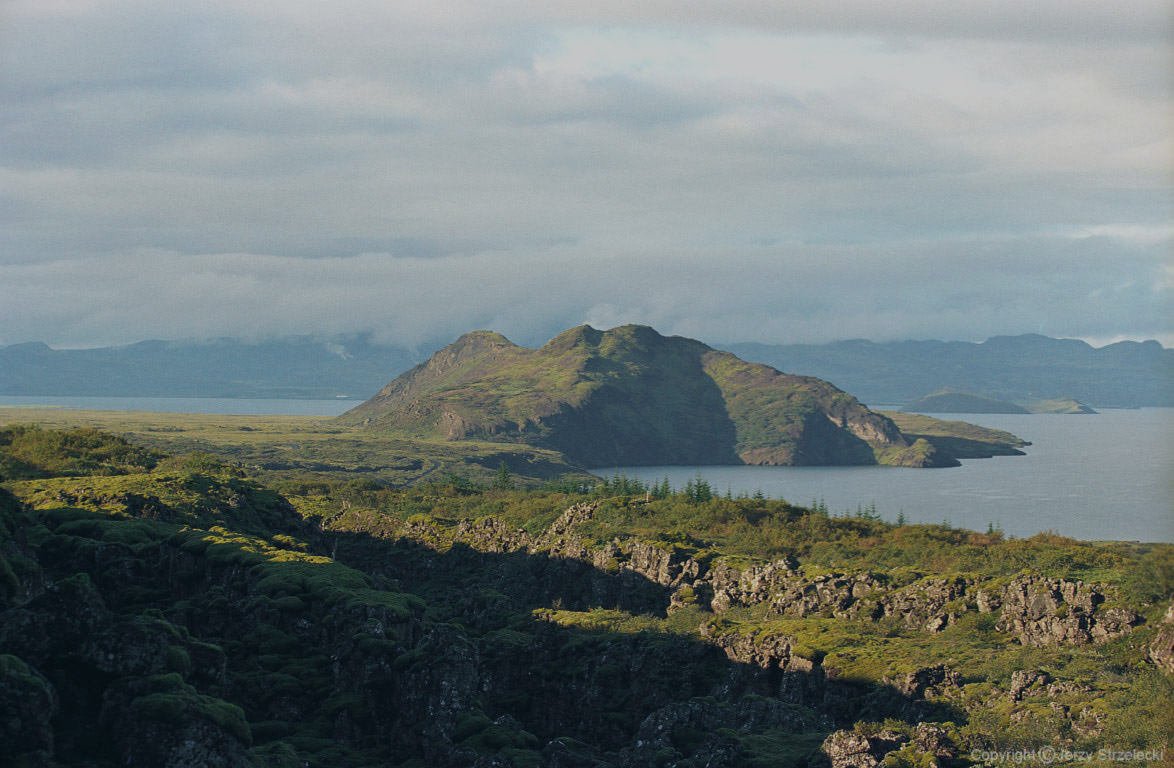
[749, 170]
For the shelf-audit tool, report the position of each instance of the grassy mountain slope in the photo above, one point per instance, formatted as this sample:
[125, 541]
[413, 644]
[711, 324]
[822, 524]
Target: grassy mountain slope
[632, 396]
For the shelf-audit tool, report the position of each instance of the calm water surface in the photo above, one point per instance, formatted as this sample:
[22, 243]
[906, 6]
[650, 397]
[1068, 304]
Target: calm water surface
[1104, 476]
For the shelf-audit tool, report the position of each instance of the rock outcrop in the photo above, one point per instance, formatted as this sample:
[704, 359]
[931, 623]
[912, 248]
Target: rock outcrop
[1161, 649]
[846, 749]
[1041, 612]
[1037, 611]
[929, 743]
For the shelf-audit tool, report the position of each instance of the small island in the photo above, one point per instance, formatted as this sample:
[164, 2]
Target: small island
[950, 400]
[632, 397]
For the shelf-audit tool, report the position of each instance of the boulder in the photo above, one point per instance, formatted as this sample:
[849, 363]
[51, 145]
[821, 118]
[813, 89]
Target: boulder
[1161, 649]
[848, 749]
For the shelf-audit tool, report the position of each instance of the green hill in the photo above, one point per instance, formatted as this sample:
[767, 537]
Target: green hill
[955, 401]
[957, 438]
[1059, 405]
[632, 396]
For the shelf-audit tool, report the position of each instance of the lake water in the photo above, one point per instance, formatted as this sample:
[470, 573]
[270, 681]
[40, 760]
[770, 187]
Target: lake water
[222, 405]
[1105, 476]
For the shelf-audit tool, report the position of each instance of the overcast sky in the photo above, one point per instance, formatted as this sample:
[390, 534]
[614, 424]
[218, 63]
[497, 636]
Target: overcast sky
[733, 171]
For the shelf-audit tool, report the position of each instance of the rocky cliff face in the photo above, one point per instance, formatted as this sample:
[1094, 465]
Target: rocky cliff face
[1036, 611]
[1042, 612]
[189, 616]
[632, 396]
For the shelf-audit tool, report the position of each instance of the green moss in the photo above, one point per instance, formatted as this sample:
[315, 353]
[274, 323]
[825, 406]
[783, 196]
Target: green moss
[174, 702]
[275, 755]
[178, 660]
[522, 758]
[289, 604]
[376, 646]
[9, 582]
[491, 738]
[910, 756]
[15, 668]
[508, 638]
[470, 724]
[28, 451]
[778, 748]
[412, 658]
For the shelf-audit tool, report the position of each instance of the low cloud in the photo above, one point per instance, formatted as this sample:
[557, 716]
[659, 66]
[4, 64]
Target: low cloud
[734, 172]
[778, 294]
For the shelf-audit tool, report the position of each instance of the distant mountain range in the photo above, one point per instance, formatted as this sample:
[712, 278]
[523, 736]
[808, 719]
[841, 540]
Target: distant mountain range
[297, 367]
[1025, 368]
[1014, 368]
[630, 396]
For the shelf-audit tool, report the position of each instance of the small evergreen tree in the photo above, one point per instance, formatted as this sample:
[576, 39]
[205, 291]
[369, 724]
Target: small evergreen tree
[702, 491]
[664, 490]
[505, 481]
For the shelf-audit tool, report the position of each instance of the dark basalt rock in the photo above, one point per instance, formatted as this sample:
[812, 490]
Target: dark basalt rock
[28, 704]
[928, 682]
[845, 749]
[1043, 612]
[174, 727]
[1024, 680]
[1161, 649]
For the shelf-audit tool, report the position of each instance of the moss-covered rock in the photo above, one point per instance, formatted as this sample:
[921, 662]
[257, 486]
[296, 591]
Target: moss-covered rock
[28, 704]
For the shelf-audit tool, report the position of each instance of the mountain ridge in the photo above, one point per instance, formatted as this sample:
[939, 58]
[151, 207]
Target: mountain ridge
[632, 396]
[1024, 368]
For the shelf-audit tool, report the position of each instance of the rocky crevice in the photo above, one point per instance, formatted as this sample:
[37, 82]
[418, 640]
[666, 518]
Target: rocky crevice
[1037, 611]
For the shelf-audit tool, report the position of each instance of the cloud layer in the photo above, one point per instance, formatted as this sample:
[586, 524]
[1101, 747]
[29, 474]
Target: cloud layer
[755, 175]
